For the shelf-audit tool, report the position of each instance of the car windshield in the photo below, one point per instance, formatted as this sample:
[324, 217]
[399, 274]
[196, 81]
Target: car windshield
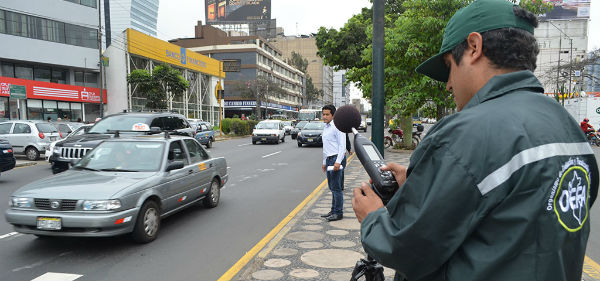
[301, 124]
[287, 123]
[314, 126]
[78, 131]
[267, 125]
[117, 122]
[46, 128]
[123, 156]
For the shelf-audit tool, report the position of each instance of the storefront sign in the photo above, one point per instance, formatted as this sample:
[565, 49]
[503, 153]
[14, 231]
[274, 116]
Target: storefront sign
[147, 46]
[51, 91]
[252, 103]
[18, 91]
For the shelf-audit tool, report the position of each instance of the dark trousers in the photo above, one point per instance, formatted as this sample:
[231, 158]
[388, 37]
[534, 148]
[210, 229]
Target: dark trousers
[334, 180]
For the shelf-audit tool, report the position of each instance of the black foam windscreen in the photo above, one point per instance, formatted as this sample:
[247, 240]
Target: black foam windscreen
[346, 118]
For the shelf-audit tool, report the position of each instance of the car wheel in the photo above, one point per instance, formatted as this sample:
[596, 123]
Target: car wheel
[32, 153]
[147, 223]
[209, 143]
[293, 137]
[283, 139]
[299, 144]
[253, 142]
[214, 194]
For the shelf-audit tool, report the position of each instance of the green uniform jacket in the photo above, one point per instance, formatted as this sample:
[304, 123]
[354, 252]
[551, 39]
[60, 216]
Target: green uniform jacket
[498, 191]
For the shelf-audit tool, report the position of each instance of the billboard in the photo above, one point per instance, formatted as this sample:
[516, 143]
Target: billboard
[237, 10]
[568, 9]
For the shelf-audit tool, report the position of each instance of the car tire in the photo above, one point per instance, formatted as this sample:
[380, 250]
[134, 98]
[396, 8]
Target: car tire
[32, 153]
[147, 223]
[299, 144]
[214, 194]
[209, 143]
[293, 137]
[253, 142]
[283, 139]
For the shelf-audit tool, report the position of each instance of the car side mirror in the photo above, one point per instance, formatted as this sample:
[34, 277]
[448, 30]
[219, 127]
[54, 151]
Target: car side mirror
[175, 165]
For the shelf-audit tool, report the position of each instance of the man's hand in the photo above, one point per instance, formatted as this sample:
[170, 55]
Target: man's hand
[367, 203]
[324, 169]
[398, 171]
[336, 166]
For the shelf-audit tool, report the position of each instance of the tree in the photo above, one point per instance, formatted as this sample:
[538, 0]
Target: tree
[259, 89]
[159, 87]
[414, 31]
[563, 79]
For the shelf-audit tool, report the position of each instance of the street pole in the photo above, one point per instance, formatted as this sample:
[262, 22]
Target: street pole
[219, 99]
[558, 70]
[378, 78]
[100, 61]
[570, 64]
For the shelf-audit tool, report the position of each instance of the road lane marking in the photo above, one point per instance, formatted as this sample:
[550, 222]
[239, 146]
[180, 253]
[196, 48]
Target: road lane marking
[244, 144]
[8, 235]
[591, 268]
[271, 154]
[54, 276]
[231, 272]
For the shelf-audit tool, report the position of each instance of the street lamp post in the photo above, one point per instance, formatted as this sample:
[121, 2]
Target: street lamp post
[570, 58]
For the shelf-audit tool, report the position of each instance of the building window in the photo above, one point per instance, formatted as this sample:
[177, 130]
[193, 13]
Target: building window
[89, 3]
[44, 29]
[34, 110]
[42, 73]
[8, 70]
[86, 79]
[59, 76]
[50, 110]
[24, 72]
[76, 112]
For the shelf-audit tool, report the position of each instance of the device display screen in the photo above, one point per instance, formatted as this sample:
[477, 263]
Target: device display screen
[371, 152]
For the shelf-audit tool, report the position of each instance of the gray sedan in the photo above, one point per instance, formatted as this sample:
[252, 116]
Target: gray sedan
[124, 185]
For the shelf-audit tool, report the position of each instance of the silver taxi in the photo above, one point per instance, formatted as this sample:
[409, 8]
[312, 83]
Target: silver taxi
[124, 185]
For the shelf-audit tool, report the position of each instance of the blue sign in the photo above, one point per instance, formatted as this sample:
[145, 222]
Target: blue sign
[183, 56]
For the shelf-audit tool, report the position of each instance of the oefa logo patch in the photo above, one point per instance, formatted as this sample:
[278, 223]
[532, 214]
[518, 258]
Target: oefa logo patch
[570, 194]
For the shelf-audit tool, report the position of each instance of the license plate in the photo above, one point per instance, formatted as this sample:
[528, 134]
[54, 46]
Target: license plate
[52, 138]
[263, 138]
[310, 140]
[46, 223]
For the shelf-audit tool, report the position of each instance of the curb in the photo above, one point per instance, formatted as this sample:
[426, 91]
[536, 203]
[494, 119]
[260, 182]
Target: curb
[25, 164]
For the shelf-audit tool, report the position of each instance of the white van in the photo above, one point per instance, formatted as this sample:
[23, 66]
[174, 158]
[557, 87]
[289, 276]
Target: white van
[268, 131]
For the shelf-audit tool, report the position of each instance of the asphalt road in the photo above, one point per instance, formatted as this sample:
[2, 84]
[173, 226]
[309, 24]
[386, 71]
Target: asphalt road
[267, 182]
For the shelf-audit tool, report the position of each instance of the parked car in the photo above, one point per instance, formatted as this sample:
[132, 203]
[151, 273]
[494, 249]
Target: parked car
[311, 134]
[65, 128]
[29, 137]
[79, 131]
[67, 153]
[369, 121]
[7, 158]
[362, 126]
[268, 131]
[124, 185]
[205, 134]
[297, 129]
[287, 126]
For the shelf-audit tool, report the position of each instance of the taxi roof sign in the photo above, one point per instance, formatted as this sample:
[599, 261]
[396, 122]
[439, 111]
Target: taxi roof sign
[140, 127]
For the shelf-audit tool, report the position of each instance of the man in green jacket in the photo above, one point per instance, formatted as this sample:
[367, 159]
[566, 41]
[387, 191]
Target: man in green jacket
[501, 190]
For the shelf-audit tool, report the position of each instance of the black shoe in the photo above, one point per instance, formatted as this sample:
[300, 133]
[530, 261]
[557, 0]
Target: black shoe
[335, 217]
[326, 215]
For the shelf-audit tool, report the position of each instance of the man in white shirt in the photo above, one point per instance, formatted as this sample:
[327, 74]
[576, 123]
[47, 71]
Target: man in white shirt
[334, 154]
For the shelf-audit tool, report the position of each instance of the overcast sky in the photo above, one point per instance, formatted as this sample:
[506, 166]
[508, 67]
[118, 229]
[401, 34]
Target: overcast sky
[177, 18]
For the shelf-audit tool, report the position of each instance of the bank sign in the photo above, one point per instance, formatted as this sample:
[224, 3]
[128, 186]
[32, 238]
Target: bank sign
[149, 47]
[50, 91]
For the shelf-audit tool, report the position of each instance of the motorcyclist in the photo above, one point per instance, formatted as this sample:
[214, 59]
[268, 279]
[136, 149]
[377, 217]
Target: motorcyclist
[586, 126]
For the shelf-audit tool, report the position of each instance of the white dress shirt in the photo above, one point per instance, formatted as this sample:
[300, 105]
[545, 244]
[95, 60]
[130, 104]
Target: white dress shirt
[334, 142]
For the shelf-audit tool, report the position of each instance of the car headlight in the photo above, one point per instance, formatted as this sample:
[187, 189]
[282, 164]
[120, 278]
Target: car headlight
[101, 205]
[20, 202]
[56, 150]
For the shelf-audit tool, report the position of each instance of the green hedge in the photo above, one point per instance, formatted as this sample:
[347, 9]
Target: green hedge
[237, 126]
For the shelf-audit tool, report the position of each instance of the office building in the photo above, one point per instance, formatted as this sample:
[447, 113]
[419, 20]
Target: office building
[49, 60]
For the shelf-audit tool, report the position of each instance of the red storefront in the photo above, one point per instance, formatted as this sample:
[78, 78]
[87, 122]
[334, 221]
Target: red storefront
[45, 99]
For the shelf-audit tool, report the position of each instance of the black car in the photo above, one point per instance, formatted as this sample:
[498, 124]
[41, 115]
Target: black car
[67, 152]
[7, 158]
[311, 134]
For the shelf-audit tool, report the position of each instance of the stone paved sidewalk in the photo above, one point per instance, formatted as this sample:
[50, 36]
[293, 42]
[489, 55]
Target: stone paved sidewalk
[312, 248]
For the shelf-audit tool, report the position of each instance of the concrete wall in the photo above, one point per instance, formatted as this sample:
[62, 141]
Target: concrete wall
[116, 80]
[59, 10]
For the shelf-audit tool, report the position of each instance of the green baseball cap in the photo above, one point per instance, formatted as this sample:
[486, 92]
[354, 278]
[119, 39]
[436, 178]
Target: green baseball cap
[479, 16]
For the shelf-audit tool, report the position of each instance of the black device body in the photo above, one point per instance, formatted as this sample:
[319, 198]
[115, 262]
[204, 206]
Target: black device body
[384, 183]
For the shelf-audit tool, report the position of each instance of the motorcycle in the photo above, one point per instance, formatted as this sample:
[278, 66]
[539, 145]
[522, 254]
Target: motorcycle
[593, 137]
[397, 137]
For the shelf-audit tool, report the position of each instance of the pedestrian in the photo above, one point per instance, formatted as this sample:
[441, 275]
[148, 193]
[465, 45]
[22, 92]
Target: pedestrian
[475, 204]
[58, 119]
[79, 120]
[49, 119]
[334, 154]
